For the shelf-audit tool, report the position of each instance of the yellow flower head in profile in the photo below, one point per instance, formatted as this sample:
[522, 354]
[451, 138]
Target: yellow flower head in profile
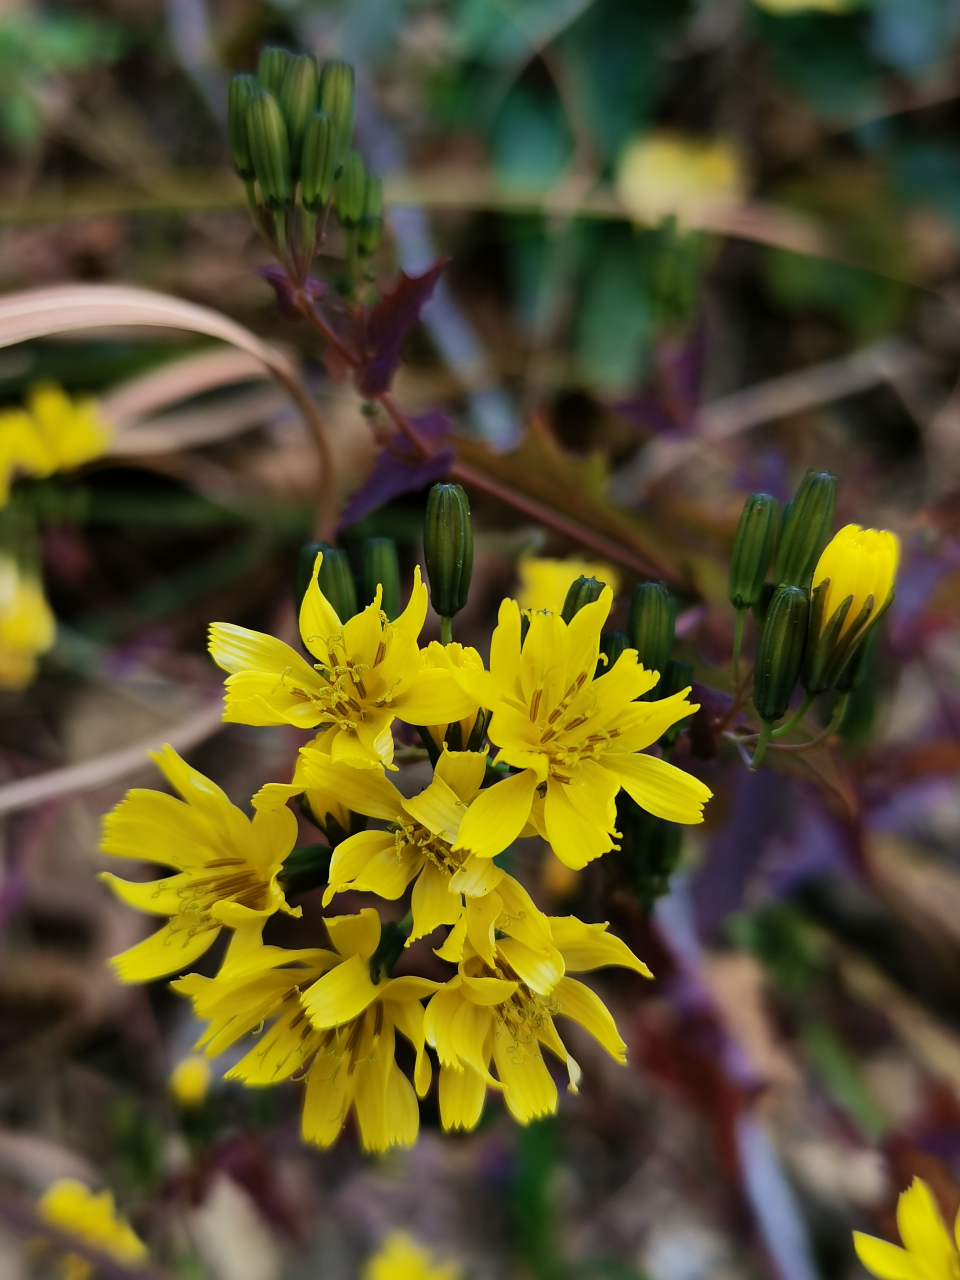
[334, 1023]
[928, 1251]
[27, 625]
[53, 433]
[400, 1257]
[226, 866]
[544, 583]
[492, 1012]
[575, 738]
[663, 174]
[73, 1207]
[368, 670]
[853, 586]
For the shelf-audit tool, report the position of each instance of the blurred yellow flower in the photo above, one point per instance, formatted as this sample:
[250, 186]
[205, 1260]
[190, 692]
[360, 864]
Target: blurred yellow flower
[227, 866]
[400, 1257]
[190, 1081]
[368, 671]
[73, 1207]
[928, 1254]
[53, 433]
[501, 1011]
[663, 174]
[576, 740]
[806, 6]
[331, 1018]
[27, 625]
[544, 582]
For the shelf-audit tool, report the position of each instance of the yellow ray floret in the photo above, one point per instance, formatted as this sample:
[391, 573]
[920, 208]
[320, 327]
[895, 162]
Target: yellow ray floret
[929, 1253]
[400, 1257]
[367, 671]
[492, 1016]
[92, 1217]
[331, 1022]
[27, 625]
[226, 866]
[576, 739]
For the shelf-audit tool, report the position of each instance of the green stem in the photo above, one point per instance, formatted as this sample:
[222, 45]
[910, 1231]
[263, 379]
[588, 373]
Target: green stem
[828, 732]
[446, 630]
[761, 748]
[737, 642]
[797, 716]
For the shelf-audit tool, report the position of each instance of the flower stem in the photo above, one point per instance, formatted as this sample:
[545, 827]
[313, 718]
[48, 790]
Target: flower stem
[827, 733]
[761, 748]
[737, 642]
[795, 719]
[446, 630]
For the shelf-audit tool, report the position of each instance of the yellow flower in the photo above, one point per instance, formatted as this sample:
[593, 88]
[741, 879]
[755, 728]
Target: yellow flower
[400, 1257]
[492, 1012]
[227, 866]
[805, 6]
[544, 583]
[576, 739]
[72, 1207]
[190, 1080]
[27, 626]
[53, 433]
[463, 734]
[664, 174]
[928, 1253]
[333, 1023]
[368, 671]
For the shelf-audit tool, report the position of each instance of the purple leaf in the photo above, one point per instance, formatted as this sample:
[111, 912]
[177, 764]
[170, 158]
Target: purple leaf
[671, 403]
[401, 469]
[388, 325]
[286, 291]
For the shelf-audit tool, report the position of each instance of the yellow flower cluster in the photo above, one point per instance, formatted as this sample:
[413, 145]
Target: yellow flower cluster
[569, 735]
[27, 625]
[51, 433]
[92, 1217]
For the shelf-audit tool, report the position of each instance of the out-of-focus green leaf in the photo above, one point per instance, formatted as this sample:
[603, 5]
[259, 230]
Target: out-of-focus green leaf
[531, 140]
[929, 174]
[825, 58]
[779, 936]
[843, 1080]
[871, 304]
[615, 319]
[510, 31]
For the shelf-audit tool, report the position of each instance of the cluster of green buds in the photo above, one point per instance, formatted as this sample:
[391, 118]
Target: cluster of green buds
[821, 609]
[291, 129]
[381, 568]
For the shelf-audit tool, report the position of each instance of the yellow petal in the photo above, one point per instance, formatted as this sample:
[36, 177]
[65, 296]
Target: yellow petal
[922, 1229]
[463, 772]
[497, 816]
[539, 970]
[438, 1022]
[410, 623]
[472, 1033]
[265, 698]
[163, 953]
[481, 915]
[439, 809]
[238, 649]
[476, 878]
[433, 697]
[579, 816]
[355, 935]
[432, 903]
[340, 995]
[577, 1001]
[352, 856]
[659, 787]
[326, 1101]
[887, 1260]
[462, 1094]
[505, 650]
[276, 1055]
[365, 790]
[274, 833]
[452, 949]
[590, 946]
[487, 990]
[318, 618]
[583, 637]
[521, 917]
[158, 897]
[407, 1017]
[528, 1087]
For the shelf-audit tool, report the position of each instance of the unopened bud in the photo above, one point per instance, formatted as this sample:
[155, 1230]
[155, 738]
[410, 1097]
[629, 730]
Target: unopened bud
[242, 90]
[677, 677]
[373, 196]
[448, 548]
[612, 644]
[382, 568]
[270, 150]
[350, 189]
[752, 548]
[851, 677]
[369, 235]
[319, 163]
[805, 528]
[580, 592]
[780, 651]
[272, 67]
[298, 101]
[650, 625]
[334, 578]
[336, 99]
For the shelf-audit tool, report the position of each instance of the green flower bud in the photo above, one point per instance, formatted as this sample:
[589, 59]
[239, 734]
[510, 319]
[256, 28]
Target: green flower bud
[780, 652]
[318, 163]
[752, 548]
[448, 548]
[272, 67]
[763, 604]
[650, 851]
[677, 676]
[650, 625]
[612, 644]
[582, 591]
[270, 150]
[373, 196]
[242, 89]
[369, 235]
[350, 189]
[336, 99]
[805, 528]
[851, 677]
[298, 101]
[335, 578]
[381, 568]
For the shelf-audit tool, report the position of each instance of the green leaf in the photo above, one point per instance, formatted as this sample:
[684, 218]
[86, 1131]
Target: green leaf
[843, 1080]
[615, 318]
